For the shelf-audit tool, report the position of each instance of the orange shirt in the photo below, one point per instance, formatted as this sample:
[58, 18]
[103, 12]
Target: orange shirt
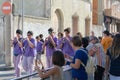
[106, 42]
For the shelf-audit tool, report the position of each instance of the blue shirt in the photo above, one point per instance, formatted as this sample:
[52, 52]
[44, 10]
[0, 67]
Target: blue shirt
[114, 65]
[80, 73]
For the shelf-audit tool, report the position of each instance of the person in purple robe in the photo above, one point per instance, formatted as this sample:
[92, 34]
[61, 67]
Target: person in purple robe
[59, 41]
[39, 51]
[17, 52]
[67, 48]
[29, 52]
[50, 44]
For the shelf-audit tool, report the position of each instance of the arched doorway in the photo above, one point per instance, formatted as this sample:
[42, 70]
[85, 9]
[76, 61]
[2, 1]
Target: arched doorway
[58, 21]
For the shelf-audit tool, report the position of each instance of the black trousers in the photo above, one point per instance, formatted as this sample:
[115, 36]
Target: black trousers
[98, 74]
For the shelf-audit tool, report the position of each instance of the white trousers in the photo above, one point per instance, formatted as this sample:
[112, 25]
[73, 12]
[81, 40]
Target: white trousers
[49, 61]
[27, 64]
[16, 61]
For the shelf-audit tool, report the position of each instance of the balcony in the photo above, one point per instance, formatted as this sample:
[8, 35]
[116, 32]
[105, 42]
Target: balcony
[113, 12]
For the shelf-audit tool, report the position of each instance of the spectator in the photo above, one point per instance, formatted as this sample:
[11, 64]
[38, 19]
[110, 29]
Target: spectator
[80, 58]
[113, 59]
[17, 51]
[56, 73]
[79, 34]
[99, 61]
[91, 52]
[106, 41]
[92, 34]
[100, 39]
[29, 52]
[85, 43]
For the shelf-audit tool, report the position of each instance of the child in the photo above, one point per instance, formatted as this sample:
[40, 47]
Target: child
[39, 51]
[56, 72]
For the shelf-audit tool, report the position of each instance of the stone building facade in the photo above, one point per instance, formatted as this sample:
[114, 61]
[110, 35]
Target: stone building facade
[112, 15]
[106, 16]
[39, 15]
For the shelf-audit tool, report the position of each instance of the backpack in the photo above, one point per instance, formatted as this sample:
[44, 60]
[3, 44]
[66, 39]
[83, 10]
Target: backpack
[89, 67]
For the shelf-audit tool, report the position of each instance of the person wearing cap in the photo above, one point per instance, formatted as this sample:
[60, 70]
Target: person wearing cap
[29, 52]
[106, 41]
[17, 51]
[67, 48]
[50, 44]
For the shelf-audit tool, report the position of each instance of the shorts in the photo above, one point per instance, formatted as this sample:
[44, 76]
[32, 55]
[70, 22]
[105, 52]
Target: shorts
[38, 56]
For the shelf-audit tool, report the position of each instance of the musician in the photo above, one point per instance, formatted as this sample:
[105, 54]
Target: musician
[50, 44]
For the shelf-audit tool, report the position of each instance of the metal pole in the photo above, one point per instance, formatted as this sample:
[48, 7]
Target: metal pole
[22, 16]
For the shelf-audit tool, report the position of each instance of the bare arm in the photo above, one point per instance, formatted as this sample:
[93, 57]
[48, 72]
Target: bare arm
[30, 43]
[77, 64]
[47, 74]
[61, 45]
[11, 43]
[54, 44]
[19, 43]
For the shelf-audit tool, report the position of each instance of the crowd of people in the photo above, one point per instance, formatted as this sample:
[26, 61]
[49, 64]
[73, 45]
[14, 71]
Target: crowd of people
[90, 58]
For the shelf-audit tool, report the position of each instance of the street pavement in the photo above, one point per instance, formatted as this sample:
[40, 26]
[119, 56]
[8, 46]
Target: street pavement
[8, 73]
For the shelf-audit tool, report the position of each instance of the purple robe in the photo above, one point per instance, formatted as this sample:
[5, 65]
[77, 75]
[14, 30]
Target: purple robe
[59, 42]
[39, 46]
[67, 48]
[17, 49]
[49, 49]
[28, 50]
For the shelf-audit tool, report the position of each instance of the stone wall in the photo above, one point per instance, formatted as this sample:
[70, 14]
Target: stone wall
[37, 25]
[36, 8]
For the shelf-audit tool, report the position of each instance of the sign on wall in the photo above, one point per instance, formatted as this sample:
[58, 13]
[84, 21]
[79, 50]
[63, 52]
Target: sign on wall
[6, 8]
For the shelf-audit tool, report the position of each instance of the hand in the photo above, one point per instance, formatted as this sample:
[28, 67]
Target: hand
[67, 38]
[106, 77]
[68, 58]
[37, 67]
[17, 38]
[27, 39]
[46, 39]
